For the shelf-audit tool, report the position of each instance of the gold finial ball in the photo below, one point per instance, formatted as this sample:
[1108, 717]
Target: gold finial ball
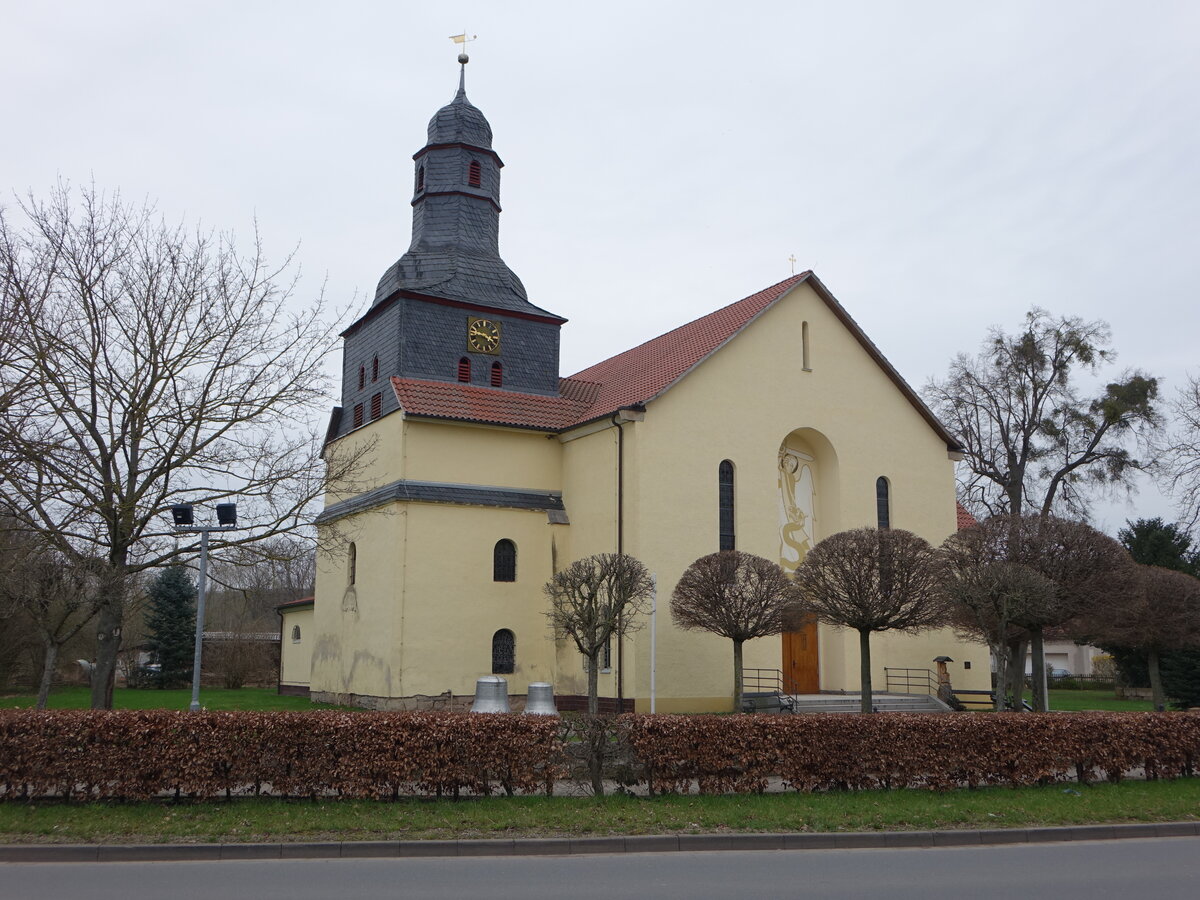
[463, 58]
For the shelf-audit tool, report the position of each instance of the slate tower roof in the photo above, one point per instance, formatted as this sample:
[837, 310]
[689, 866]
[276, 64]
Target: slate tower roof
[454, 252]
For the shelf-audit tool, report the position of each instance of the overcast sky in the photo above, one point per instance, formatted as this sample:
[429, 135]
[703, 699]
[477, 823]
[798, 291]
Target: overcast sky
[942, 166]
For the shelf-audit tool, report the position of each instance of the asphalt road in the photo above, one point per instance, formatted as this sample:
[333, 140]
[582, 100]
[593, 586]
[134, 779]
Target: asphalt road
[1151, 868]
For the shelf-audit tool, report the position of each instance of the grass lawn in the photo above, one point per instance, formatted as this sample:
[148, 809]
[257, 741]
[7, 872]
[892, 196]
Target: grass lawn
[1074, 701]
[500, 817]
[151, 698]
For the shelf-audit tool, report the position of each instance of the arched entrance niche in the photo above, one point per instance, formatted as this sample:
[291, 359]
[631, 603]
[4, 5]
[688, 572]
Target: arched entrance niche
[808, 511]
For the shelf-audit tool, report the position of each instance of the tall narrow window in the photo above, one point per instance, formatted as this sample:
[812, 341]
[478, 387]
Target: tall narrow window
[376, 406]
[725, 505]
[504, 652]
[351, 564]
[295, 634]
[474, 174]
[362, 377]
[464, 369]
[504, 561]
[358, 415]
[805, 359]
[883, 502]
[375, 369]
[497, 374]
[421, 178]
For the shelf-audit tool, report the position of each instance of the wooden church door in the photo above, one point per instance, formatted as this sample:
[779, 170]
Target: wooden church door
[800, 662]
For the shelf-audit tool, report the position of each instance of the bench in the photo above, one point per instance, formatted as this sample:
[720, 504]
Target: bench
[767, 702]
[982, 700]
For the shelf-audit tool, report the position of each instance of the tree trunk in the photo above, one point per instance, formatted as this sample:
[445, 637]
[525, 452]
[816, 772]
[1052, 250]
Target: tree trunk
[47, 673]
[737, 676]
[1041, 702]
[864, 652]
[1016, 673]
[1000, 652]
[108, 642]
[1156, 686]
[593, 683]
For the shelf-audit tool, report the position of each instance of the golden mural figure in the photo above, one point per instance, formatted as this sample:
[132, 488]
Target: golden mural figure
[795, 507]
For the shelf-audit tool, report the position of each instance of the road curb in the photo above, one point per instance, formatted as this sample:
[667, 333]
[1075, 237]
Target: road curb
[650, 843]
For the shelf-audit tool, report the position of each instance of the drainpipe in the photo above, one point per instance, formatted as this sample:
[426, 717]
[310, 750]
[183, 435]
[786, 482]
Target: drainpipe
[635, 413]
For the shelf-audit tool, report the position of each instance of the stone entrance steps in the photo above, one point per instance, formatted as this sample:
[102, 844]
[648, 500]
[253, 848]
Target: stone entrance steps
[852, 703]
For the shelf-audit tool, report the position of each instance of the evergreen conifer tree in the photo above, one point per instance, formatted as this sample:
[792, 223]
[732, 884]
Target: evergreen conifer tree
[171, 624]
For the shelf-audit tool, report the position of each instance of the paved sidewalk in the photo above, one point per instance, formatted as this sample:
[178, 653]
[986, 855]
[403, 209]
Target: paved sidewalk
[19, 853]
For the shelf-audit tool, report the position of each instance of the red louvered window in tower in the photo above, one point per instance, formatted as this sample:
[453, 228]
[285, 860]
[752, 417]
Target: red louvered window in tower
[375, 369]
[421, 178]
[474, 174]
[464, 369]
[362, 376]
[358, 415]
[497, 374]
[376, 406]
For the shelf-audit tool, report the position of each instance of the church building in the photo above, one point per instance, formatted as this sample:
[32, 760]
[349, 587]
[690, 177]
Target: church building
[764, 426]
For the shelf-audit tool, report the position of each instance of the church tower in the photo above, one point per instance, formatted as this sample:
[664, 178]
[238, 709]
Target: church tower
[450, 309]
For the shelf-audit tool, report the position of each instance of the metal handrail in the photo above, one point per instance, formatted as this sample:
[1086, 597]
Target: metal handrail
[911, 681]
[762, 681]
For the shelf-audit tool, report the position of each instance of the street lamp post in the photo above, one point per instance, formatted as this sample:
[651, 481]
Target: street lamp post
[226, 521]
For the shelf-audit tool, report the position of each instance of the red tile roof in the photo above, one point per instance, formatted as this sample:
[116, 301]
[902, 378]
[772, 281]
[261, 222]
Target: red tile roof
[626, 379]
[304, 601]
[965, 519]
[630, 378]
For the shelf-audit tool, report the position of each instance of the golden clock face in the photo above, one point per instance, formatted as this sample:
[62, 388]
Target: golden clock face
[483, 336]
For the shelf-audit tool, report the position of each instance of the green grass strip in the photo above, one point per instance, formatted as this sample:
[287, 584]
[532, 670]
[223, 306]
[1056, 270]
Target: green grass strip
[250, 820]
[257, 699]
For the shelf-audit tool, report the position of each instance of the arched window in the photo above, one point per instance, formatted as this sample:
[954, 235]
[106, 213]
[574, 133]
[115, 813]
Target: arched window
[725, 505]
[474, 174]
[464, 370]
[351, 564]
[375, 369]
[362, 377]
[295, 634]
[883, 502]
[504, 652]
[504, 561]
[805, 360]
[497, 374]
[421, 178]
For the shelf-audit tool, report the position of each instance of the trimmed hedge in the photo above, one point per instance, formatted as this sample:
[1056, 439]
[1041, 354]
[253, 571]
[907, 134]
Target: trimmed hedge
[851, 752]
[132, 754]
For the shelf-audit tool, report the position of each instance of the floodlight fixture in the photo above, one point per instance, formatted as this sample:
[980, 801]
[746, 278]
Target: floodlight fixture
[182, 513]
[226, 514]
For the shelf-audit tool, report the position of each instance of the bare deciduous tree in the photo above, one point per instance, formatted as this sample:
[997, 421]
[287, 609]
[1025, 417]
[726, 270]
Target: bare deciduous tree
[990, 596]
[595, 600]
[1161, 613]
[736, 595]
[147, 365]
[1179, 451]
[873, 580]
[58, 597]
[1032, 441]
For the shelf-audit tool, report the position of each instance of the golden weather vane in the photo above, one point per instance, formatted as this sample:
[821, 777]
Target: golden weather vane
[463, 39]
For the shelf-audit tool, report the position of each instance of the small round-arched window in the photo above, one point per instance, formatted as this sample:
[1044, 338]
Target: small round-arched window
[295, 634]
[504, 652]
[464, 369]
[351, 564]
[497, 375]
[504, 561]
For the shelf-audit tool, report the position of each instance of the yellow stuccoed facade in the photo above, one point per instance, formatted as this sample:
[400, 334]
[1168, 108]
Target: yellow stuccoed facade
[411, 610]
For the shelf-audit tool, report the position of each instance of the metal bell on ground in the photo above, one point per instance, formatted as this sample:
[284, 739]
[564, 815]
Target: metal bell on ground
[539, 701]
[491, 695]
